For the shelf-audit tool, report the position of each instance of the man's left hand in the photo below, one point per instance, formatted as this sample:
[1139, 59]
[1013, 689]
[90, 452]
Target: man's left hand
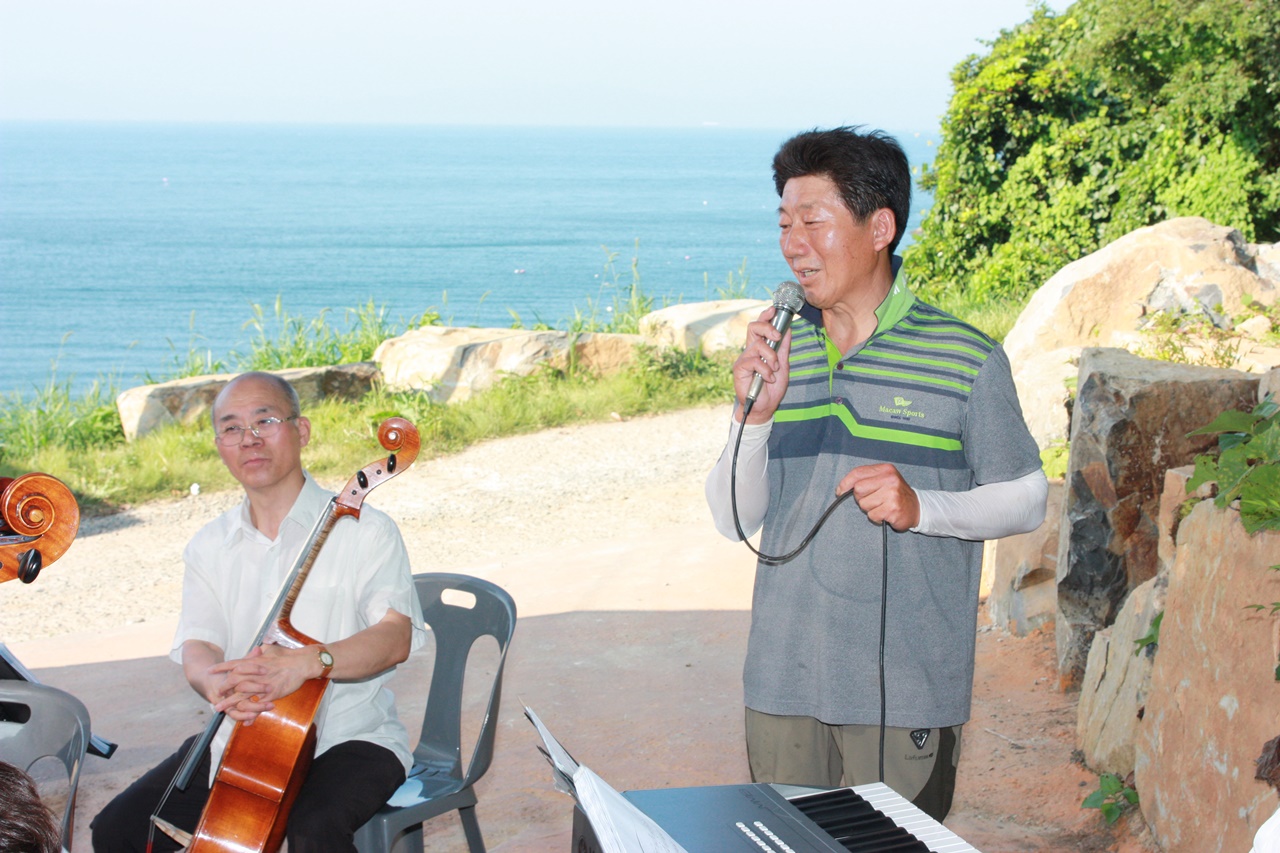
[883, 495]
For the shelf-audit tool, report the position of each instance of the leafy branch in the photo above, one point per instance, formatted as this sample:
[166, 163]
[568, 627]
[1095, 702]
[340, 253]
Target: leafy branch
[1247, 467]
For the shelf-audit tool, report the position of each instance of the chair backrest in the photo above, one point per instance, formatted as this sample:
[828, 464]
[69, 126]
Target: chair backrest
[58, 727]
[455, 629]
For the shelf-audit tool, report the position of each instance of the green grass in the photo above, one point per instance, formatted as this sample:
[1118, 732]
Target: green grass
[55, 417]
[285, 340]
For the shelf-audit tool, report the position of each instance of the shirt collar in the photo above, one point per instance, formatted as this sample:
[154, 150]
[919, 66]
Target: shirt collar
[306, 507]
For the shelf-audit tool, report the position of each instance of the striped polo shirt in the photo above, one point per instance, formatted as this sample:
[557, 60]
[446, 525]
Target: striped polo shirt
[933, 396]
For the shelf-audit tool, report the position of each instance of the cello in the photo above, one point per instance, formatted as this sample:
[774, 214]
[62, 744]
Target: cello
[264, 764]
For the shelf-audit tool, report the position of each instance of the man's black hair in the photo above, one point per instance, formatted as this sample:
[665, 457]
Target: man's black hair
[869, 169]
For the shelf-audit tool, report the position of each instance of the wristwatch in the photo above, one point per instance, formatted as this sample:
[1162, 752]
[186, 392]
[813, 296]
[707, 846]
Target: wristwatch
[326, 661]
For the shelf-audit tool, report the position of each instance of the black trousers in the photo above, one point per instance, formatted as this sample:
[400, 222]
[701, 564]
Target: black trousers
[343, 789]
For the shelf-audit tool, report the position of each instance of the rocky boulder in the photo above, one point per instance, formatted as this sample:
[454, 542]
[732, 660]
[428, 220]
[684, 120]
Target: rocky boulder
[1117, 678]
[711, 326]
[601, 353]
[1213, 696]
[149, 407]
[451, 364]
[1102, 300]
[337, 382]
[1130, 427]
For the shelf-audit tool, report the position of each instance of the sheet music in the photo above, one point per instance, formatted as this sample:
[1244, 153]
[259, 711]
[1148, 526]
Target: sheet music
[620, 827]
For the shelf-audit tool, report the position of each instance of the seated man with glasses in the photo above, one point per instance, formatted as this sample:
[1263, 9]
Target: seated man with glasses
[358, 601]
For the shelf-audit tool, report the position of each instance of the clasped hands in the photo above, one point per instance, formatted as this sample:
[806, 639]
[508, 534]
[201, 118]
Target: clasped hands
[245, 688]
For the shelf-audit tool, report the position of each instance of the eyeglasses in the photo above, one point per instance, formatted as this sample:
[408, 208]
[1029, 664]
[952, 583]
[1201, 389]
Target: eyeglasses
[232, 436]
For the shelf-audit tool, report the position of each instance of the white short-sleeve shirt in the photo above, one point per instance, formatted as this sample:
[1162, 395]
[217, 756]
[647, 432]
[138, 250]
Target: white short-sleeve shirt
[234, 574]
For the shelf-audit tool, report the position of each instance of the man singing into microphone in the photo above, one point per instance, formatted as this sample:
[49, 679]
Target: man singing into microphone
[861, 653]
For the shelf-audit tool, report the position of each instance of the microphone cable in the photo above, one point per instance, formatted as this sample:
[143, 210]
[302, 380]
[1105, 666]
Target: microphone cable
[770, 560]
[884, 610]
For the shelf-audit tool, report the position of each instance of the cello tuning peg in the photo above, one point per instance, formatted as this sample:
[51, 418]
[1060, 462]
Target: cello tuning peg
[29, 565]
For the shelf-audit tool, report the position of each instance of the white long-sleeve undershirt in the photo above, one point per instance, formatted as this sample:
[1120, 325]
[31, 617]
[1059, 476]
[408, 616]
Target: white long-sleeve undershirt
[987, 511]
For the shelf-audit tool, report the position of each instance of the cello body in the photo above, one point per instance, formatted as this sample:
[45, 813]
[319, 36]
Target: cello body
[250, 799]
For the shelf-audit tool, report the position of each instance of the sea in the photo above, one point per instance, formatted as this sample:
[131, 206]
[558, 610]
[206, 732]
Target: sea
[126, 247]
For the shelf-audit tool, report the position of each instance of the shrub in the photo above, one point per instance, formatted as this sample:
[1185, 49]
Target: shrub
[1075, 129]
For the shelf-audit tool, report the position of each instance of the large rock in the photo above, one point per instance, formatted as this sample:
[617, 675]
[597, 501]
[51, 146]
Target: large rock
[1188, 265]
[601, 353]
[1046, 385]
[1130, 426]
[337, 382]
[148, 407]
[1173, 507]
[1022, 594]
[1213, 696]
[1117, 678]
[451, 364]
[709, 326]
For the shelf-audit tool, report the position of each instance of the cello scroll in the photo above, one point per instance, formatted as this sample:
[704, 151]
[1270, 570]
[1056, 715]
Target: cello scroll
[396, 435]
[39, 519]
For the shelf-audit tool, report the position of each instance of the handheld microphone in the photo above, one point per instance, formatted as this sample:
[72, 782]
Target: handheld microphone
[787, 300]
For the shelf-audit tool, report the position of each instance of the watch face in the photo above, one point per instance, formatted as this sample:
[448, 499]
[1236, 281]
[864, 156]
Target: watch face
[325, 658]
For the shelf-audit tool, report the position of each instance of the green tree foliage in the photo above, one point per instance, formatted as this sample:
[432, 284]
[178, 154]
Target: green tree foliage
[1075, 129]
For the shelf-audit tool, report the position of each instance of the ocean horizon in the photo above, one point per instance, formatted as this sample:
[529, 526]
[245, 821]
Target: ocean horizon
[123, 247]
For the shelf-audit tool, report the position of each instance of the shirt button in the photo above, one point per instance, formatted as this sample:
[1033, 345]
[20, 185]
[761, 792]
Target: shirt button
[840, 366]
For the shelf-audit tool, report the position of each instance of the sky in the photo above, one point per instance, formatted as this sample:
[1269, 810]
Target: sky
[652, 63]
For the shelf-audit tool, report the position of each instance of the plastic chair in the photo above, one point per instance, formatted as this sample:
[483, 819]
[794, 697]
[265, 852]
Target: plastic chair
[58, 727]
[438, 782]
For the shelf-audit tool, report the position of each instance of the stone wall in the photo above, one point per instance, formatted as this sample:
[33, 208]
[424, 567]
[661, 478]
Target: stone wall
[1213, 698]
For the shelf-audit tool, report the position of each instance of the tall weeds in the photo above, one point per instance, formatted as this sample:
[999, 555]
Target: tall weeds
[737, 285]
[56, 417]
[626, 300]
[285, 340]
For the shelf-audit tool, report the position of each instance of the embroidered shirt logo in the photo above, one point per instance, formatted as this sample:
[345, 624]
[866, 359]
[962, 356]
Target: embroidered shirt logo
[900, 410]
[920, 737]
